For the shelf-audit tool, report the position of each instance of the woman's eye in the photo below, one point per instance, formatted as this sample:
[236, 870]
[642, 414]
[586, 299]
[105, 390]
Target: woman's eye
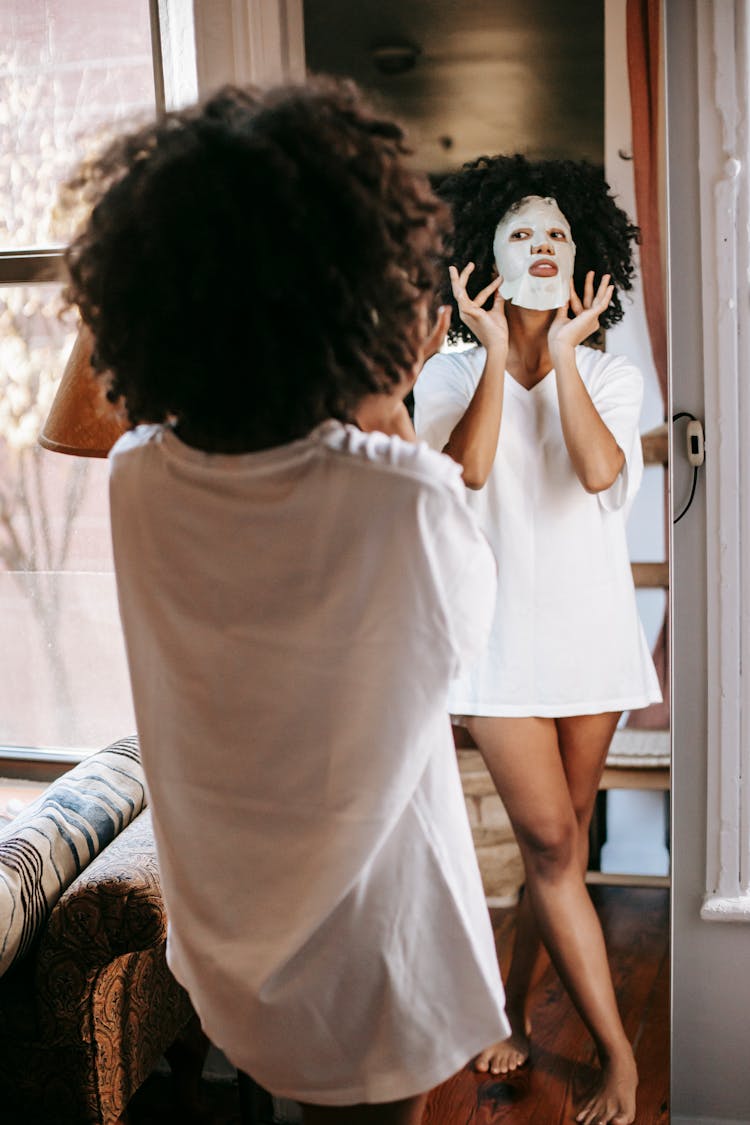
[559, 235]
[519, 235]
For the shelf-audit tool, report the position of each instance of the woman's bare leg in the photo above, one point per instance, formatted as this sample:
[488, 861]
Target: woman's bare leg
[527, 964]
[526, 763]
[406, 1112]
[583, 742]
[528, 954]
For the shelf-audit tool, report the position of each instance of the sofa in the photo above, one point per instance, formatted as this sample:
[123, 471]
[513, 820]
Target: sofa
[87, 1003]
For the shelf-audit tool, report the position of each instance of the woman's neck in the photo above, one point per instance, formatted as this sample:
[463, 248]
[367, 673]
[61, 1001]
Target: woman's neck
[528, 352]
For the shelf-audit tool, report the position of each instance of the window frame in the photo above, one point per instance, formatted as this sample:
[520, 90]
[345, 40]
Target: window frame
[39, 266]
[195, 48]
[724, 190]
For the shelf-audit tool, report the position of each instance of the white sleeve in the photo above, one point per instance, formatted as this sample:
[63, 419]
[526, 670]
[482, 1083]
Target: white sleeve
[472, 602]
[465, 571]
[442, 395]
[617, 394]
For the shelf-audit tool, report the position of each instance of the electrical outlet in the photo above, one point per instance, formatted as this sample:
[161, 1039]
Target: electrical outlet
[696, 448]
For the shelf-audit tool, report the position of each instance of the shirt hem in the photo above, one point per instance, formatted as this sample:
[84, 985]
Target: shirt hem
[395, 1085]
[388, 1087]
[464, 711]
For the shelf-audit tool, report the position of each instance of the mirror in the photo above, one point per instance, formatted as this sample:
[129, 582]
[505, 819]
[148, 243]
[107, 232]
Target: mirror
[551, 81]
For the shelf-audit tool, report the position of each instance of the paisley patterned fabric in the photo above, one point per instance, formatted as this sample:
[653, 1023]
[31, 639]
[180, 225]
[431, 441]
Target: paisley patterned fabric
[51, 842]
[86, 1014]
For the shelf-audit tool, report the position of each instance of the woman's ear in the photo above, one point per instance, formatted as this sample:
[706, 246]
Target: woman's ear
[435, 338]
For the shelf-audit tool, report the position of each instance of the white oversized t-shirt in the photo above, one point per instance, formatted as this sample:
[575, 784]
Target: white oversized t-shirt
[566, 638]
[293, 619]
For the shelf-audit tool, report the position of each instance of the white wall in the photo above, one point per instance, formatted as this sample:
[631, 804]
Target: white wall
[711, 961]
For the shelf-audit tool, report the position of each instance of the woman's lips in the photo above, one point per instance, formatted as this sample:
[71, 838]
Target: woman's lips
[544, 268]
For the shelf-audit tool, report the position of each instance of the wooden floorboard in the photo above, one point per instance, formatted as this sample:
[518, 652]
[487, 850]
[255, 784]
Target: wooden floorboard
[650, 1052]
[562, 1066]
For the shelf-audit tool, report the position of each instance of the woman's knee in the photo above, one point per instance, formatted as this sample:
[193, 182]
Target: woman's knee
[550, 845]
[584, 811]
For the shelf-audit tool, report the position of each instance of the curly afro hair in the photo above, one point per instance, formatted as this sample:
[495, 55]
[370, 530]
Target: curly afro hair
[485, 189]
[256, 264]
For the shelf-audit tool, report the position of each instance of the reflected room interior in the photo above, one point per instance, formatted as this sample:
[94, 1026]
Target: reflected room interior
[552, 81]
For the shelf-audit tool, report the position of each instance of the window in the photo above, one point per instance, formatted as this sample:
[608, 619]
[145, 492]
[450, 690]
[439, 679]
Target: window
[66, 74]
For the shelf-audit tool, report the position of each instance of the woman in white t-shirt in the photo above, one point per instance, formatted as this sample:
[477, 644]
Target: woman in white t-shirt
[546, 431]
[296, 590]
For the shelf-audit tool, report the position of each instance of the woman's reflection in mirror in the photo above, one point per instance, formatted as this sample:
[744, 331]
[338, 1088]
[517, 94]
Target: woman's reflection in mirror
[546, 430]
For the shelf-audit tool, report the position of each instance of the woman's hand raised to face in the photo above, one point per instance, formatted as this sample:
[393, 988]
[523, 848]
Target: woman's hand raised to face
[567, 333]
[488, 325]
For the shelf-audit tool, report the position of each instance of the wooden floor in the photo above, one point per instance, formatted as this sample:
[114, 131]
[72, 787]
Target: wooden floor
[562, 1065]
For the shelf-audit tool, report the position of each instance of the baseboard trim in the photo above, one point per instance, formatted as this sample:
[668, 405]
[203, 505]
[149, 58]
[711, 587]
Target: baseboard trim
[679, 1119]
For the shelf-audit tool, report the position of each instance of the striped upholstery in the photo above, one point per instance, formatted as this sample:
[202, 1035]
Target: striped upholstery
[48, 845]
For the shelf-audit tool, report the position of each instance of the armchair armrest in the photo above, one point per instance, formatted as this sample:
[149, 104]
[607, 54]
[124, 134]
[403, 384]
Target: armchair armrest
[114, 908]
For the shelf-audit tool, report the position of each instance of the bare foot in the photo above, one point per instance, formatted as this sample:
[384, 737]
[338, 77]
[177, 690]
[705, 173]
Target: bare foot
[504, 1057]
[613, 1101]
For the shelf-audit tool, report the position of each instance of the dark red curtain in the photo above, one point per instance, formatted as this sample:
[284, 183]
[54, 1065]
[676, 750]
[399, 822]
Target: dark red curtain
[644, 47]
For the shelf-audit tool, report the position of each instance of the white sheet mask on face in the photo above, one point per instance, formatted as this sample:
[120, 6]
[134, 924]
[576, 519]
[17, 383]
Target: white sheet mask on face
[535, 236]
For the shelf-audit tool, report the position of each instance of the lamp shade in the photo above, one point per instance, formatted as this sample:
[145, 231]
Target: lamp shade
[82, 421]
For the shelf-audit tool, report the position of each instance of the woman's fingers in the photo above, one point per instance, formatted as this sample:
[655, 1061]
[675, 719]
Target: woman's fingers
[458, 281]
[575, 300]
[603, 299]
[592, 303]
[461, 278]
[498, 305]
[561, 316]
[467, 304]
[603, 286]
[483, 294]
